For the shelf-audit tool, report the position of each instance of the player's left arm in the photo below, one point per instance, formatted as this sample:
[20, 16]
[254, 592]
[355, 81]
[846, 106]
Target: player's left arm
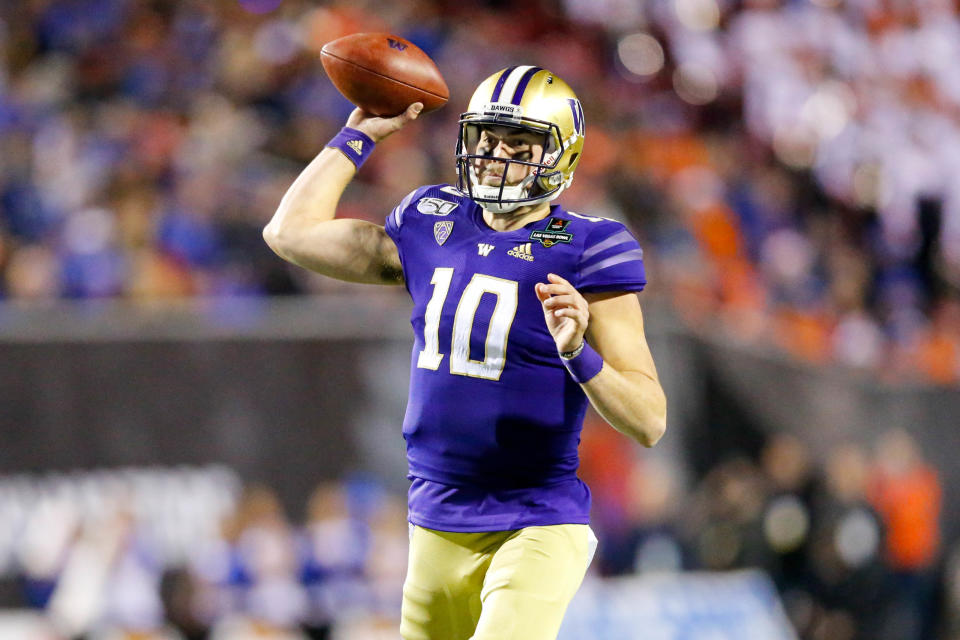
[626, 391]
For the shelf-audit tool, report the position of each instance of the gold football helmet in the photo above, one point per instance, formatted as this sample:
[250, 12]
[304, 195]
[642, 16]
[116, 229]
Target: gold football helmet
[530, 99]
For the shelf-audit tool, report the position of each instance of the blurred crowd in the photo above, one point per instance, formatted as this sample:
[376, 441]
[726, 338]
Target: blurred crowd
[854, 545]
[787, 164]
[178, 554]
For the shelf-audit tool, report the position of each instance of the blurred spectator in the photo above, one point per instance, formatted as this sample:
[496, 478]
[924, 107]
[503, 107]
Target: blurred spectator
[724, 519]
[906, 492]
[846, 554]
[337, 544]
[262, 584]
[786, 517]
[655, 541]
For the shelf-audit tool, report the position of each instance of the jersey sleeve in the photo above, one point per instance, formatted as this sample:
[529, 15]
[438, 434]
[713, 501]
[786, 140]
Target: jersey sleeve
[394, 220]
[612, 260]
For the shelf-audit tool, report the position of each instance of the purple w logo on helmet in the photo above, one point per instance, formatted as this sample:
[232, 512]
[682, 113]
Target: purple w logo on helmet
[396, 44]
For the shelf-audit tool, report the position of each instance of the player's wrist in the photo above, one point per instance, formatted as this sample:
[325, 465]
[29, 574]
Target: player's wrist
[572, 353]
[354, 144]
[583, 363]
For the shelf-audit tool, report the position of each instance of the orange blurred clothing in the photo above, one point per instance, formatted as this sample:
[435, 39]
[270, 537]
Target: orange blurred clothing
[938, 355]
[717, 231]
[605, 461]
[804, 334]
[910, 506]
[665, 155]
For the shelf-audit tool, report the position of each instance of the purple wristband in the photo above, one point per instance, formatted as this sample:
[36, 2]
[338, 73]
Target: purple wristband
[354, 144]
[584, 365]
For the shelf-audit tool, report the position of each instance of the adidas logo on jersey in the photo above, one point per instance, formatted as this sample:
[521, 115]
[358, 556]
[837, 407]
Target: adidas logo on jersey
[356, 145]
[484, 249]
[521, 251]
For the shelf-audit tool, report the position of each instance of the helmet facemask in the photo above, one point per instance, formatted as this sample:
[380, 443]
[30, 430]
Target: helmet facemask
[474, 153]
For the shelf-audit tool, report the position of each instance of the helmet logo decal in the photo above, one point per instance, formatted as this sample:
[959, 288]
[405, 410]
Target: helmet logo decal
[396, 44]
[441, 231]
[553, 234]
[577, 115]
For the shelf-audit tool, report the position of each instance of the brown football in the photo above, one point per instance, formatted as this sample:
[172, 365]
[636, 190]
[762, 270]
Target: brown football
[383, 74]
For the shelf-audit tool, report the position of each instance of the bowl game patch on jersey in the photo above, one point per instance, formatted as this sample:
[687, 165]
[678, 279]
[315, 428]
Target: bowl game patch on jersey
[553, 234]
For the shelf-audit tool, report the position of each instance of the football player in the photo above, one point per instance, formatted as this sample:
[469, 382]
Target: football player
[522, 312]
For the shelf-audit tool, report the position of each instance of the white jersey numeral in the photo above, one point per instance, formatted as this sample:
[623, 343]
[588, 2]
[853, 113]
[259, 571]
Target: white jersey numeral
[430, 357]
[498, 331]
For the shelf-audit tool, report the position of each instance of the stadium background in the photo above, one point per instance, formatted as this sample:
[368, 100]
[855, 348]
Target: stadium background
[200, 441]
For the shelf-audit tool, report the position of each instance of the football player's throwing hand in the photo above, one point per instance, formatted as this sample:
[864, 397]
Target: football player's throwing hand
[379, 128]
[565, 312]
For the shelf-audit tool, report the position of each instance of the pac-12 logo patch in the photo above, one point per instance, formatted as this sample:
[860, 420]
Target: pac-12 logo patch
[553, 234]
[441, 231]
[435, 206]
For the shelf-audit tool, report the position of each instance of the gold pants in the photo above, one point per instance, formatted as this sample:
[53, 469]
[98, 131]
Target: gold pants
[494, 585]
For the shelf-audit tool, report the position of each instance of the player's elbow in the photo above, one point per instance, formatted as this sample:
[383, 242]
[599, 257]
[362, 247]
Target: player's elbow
[652, 431]
[653, 423]
[278, 241]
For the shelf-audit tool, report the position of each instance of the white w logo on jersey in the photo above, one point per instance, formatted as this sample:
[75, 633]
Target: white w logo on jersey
[484, 249]
[522, 251]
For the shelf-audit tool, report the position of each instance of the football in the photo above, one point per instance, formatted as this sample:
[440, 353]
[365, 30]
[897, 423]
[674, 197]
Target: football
[383, 74]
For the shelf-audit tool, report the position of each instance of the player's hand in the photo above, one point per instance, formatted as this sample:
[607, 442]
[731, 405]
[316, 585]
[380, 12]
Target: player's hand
[379, 128]
[564, 310]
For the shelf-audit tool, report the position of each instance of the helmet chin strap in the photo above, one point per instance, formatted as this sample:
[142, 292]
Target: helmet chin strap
[515, 192]
[510, 192]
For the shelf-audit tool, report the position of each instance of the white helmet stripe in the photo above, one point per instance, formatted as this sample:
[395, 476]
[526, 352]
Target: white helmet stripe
[510, 86]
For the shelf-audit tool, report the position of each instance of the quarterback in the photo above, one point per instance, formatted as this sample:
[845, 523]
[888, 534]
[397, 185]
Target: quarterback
[523, 312]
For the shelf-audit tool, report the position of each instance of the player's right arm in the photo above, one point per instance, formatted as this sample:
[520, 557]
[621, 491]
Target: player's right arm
[304, 229]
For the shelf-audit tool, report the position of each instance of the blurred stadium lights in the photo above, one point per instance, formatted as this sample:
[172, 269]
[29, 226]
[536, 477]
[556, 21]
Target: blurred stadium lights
[796, 145]
[857, 538]
[695, 83]
[698, 15]
[640, 54]
[829, 109]
[786, 523]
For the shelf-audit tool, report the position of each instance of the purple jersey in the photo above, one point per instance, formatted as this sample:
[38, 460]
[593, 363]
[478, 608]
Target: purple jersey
[493, 418]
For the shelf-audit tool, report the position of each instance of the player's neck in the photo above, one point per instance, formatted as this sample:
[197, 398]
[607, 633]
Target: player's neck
[516, 218]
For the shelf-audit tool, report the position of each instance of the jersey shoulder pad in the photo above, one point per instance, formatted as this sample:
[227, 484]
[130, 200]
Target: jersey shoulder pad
[612, 259]
[591, 218]
[439, 200]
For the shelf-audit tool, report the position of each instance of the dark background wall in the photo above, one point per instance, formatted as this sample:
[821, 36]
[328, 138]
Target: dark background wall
[292, 393]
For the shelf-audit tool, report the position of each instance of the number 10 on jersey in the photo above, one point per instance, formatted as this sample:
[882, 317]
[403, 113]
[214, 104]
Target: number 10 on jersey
[498, 332]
